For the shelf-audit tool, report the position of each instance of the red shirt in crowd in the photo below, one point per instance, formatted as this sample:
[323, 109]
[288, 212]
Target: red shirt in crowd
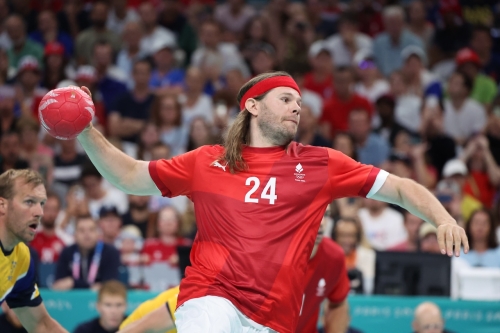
[478, 185]
[259, 223]
[326, 277]
[48, 247]
[323, 88]
[336, 111]
[157, 251]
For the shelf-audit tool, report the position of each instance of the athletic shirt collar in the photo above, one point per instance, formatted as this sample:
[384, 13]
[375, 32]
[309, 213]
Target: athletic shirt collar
[263, 150]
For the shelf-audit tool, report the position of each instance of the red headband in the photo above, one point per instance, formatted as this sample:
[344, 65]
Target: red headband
[266, 85]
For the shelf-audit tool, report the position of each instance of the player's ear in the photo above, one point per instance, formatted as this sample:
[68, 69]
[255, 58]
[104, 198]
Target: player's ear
[251, 106]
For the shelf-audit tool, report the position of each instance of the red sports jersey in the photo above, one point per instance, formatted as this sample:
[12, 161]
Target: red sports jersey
[256, 229]
[47, 247]
[326, 277]
[160, 252]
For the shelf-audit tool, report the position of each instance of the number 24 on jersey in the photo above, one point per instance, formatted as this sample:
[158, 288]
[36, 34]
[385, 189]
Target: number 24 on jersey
[268, 193]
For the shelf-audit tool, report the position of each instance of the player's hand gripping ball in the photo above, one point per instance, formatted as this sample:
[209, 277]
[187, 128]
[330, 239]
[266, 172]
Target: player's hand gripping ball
[65, 112]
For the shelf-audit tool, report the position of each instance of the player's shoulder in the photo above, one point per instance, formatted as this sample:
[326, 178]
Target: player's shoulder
[22, 254]
[332, 250]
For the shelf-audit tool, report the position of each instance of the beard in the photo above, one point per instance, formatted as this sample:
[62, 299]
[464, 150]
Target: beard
[272, 128]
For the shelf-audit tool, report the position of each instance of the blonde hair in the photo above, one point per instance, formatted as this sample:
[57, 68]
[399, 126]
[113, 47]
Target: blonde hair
[239, 132]
[9, 177]
[114, 288]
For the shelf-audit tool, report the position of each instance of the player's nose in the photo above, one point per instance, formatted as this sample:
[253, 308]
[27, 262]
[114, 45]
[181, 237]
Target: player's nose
[38, 210]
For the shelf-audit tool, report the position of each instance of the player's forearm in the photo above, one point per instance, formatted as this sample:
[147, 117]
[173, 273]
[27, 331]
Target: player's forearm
[118, 168]
[48, 325]
[337, 318]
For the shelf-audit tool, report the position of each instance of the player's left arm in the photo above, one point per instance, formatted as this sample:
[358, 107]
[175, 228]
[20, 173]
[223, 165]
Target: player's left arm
[157, 321]
[37, 320]
[421, 202]
[336, 317]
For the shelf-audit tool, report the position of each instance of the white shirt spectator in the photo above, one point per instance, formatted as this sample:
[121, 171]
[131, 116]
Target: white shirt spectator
[313, 100]
[462, 123]
[341, 54]
[114, 198]
[115, 24]
[385, 230]
[227, 57]
[408, 111]
[235, 24]
[159, 35]
[379, 88]
[202, 108]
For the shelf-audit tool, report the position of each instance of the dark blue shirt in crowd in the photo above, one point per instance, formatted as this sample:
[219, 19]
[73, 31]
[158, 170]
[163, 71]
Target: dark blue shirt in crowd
[128, 106]
[62, 38]
[110, 90]
[108, 267]
[93, 326]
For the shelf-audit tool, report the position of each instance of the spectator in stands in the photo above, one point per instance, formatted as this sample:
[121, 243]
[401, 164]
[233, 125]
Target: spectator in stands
[482, 43]
[138, 215]
[463, 116]
[8, 120]
[84, 45]
[39, 156]
[131, 51]
[54, 64]
[160, 151]
[195, 103]
[111, 306]
[89, 262]
[102, 60]
[153, 32]
[47, 243]
[166, 113]
[98, 195]
[28, 89]
[264, 60]
[428, 239]
[484, 249]
[371, 86]
[385, 123]
[10, 149]
[484, 172]
[348, 41]
[406, 103]
[68, 164]
[320, 78]
[418, 24]
[214, 56]
[119, 15]
[336, 110]
[309, 97]
[148, 138]
[484, 88]
[388, 45]
[110, 224]
[9, 321]
[21, 44]
[132, 109]
[428, 319]
[412, 226]
[129, 243]
[370, 147]
[492, 129]
[307, 132]
[298, 36]
[255, 33]
[348, 233]
[166, 75]
[73, 18]
[164, 247]
[383, 226]
[200, 134]
[234, 15]
[48, 32]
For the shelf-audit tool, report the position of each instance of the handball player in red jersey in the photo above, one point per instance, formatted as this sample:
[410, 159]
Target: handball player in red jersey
[259, 199]
[326, 277]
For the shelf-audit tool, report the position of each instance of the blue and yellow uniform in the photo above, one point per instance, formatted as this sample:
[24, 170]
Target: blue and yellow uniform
[167, 298]
[17, 278]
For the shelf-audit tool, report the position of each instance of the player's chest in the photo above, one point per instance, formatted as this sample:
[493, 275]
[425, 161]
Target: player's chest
[272, 183]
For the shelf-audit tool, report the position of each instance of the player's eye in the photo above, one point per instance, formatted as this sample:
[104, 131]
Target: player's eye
[30, 202]
[285, 99]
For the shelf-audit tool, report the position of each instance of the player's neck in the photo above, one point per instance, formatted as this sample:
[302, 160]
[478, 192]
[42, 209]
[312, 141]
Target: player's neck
[9, 241]
[257, 139]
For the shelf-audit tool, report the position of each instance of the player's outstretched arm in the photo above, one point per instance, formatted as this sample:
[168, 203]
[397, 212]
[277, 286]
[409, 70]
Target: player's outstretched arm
[420, 202]
[124, 172]
[157, 321]
[37, 320]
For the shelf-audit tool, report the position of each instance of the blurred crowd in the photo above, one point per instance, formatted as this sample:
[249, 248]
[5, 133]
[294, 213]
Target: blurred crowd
[408, 86]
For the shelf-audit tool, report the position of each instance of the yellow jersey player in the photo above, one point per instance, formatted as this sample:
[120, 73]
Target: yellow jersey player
[22, 196]
[157, 315]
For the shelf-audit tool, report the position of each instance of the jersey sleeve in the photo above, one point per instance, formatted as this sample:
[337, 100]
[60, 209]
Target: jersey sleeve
[25, 291]
[173, 177]
[349, 178]
[341, 290]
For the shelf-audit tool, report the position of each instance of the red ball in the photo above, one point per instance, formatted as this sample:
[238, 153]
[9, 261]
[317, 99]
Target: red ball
[65, 112]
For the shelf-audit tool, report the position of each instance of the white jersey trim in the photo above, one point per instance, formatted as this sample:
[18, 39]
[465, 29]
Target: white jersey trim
[377, 184]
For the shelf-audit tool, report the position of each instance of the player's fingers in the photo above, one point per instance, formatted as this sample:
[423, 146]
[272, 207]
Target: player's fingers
[87, 91]
[441, 239]
[457, 238]
[449, 241]
[465, 240]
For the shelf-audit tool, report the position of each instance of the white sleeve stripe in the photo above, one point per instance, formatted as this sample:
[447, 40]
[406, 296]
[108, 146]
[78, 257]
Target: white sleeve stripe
[377, 184]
